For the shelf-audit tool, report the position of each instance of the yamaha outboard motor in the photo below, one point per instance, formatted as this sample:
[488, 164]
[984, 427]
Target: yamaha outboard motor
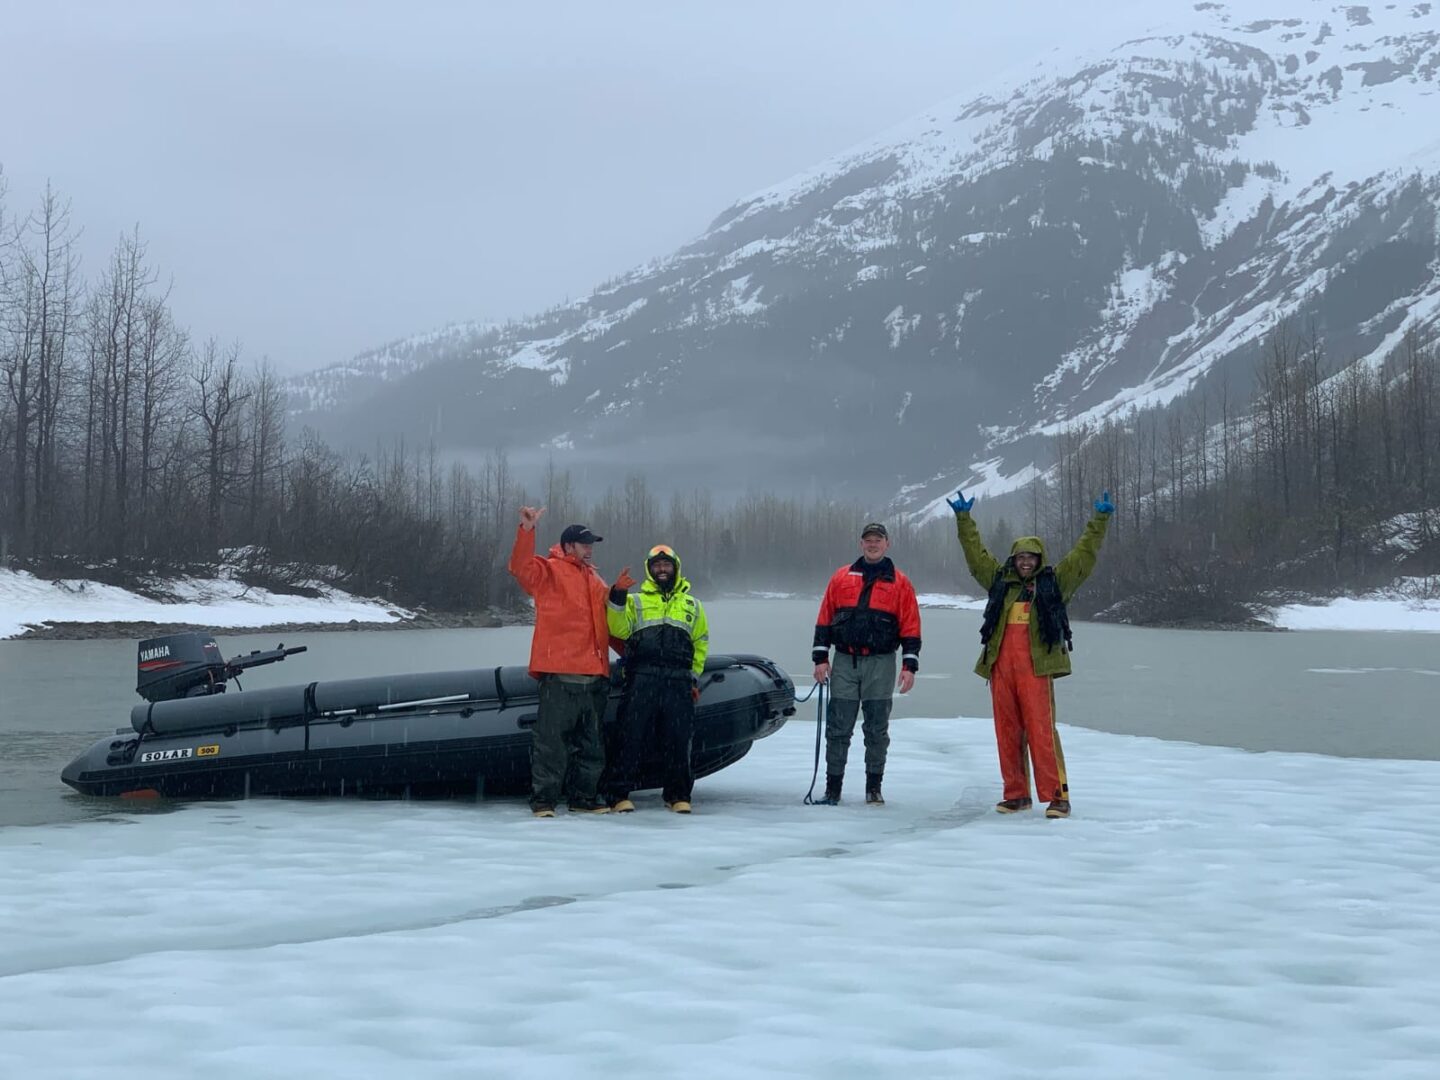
[190, 665]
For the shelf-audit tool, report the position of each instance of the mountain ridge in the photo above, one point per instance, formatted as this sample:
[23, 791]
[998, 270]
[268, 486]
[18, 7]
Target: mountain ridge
[981, 276]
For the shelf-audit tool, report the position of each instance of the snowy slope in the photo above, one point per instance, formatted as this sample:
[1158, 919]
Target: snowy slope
[325, 388]
[1105, 233]
[1319, 62]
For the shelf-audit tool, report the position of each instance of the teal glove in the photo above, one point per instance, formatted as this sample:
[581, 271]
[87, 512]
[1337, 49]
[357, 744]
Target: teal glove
[962, 505]
[1103, 505]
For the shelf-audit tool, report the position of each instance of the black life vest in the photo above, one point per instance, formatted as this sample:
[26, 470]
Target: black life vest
[863, 630]
[1049, 608]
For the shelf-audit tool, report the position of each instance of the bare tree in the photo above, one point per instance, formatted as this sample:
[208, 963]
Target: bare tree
[163, 351]
[113, 323]
[267, 442]
[51, 267]
[17, 365]
[219, 393]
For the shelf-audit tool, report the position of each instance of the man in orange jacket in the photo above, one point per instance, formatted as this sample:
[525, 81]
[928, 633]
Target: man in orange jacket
[569, 657]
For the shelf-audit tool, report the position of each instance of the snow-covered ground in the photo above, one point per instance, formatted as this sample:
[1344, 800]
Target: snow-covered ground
[1206, 912]
[947, 600]
[1386, 609]
[26, 600]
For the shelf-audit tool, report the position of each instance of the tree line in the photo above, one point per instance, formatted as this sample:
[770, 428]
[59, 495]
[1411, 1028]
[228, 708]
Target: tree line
[122, 440]
[1322, 479]
[130, 450]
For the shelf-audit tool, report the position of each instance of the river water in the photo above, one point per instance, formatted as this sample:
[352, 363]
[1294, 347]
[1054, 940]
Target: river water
[1352, 694]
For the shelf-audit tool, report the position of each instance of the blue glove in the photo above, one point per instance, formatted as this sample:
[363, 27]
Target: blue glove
[1103, 505]
[959, 503]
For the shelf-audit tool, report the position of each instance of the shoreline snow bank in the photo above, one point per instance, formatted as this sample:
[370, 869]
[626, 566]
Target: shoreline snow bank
[28, 601]
[1397, 608]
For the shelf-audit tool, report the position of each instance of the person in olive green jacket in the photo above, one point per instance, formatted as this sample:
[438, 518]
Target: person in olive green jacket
[666, 638]
[1026, 646]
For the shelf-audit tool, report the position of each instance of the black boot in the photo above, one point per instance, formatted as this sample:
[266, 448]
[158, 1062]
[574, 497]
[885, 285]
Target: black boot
[832, 790]
[872, 788]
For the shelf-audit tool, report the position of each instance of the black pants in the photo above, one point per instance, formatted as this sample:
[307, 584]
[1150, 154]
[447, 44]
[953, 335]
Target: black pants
[565, 751]
[656, 719]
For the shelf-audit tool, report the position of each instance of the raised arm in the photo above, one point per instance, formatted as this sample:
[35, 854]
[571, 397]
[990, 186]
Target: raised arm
[527, 568]
[978, 560]
[1074, 568]
[620, 607]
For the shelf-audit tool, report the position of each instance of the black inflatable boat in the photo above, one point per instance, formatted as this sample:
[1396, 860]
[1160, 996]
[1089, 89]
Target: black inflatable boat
[434, 733]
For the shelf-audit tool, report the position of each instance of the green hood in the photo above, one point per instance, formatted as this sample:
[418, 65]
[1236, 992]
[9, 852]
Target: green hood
[1029, 543]
[681, 585]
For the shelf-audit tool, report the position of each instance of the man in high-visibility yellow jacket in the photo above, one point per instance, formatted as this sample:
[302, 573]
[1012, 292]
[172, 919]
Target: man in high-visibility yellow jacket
[666, 638]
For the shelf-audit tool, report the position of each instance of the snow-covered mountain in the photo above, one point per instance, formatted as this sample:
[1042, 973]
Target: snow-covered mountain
[919, 311]
[340, 385]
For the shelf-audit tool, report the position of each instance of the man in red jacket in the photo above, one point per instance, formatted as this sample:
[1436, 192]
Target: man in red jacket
[569, 656]
[868, 613]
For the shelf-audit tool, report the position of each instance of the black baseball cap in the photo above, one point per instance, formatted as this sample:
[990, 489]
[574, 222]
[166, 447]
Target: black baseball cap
[579, 534]
[876, 528]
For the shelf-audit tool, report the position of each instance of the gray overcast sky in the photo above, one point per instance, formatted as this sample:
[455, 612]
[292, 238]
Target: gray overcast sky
[320, 177]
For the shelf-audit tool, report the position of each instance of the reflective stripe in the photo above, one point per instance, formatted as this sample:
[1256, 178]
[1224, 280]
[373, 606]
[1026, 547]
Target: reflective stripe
[646, 624]
[682, 602]
[670, 612]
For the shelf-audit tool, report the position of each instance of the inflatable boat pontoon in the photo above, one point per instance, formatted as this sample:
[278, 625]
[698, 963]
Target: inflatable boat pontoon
[433, 733]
